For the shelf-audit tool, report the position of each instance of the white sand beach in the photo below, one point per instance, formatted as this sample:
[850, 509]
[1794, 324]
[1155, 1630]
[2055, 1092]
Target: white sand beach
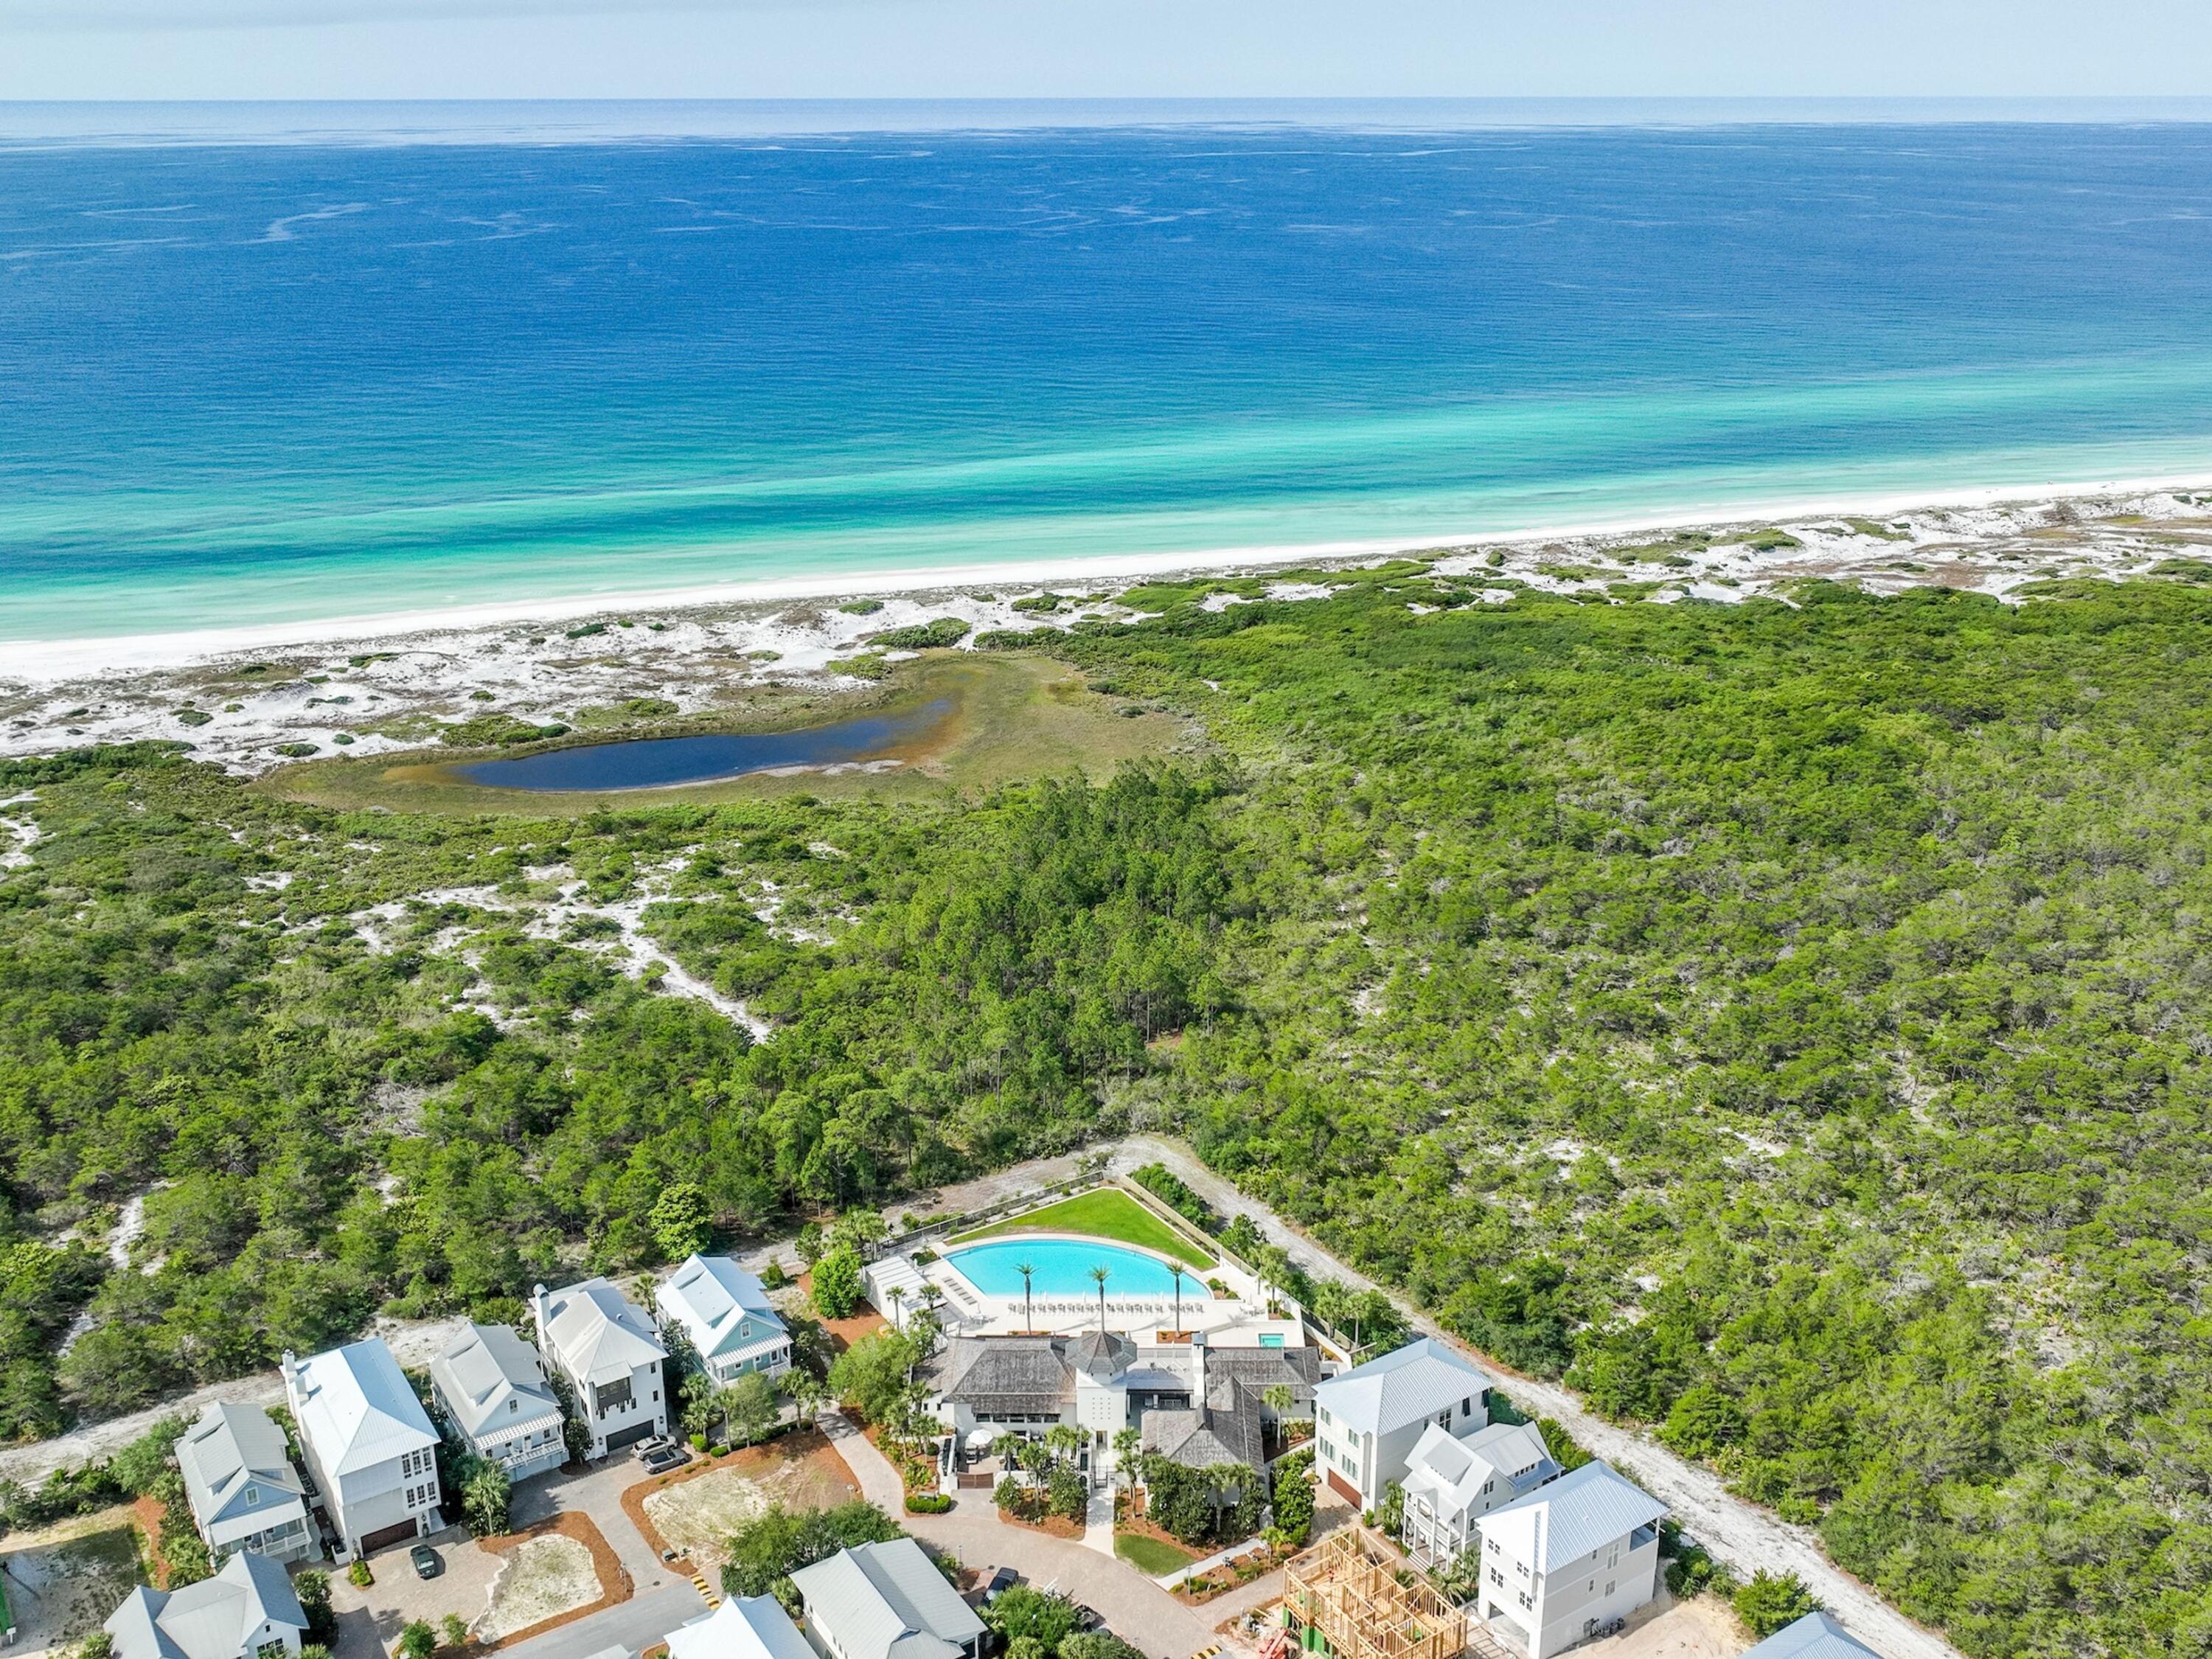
[376, 685]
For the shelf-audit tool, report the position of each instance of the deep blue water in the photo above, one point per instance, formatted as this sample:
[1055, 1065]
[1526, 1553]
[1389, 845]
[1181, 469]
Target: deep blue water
[288, 380]
[662, 762]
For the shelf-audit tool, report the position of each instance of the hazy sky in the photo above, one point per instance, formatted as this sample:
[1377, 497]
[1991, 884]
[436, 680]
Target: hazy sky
[1097, 48]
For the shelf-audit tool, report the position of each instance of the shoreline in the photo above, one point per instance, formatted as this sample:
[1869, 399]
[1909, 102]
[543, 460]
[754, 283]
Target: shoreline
[425, 682]
[35, 661]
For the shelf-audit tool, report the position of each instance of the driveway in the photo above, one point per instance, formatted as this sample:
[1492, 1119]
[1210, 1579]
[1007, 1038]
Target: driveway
[369, 1620]
[1136, 1609]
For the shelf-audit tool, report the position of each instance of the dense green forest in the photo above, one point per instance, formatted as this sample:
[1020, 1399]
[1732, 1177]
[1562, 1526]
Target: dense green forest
[1788, 1021]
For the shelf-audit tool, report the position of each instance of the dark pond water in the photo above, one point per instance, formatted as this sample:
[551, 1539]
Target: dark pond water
[661, 762]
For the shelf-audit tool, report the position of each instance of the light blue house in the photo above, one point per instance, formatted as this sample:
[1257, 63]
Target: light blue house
[724, 1312]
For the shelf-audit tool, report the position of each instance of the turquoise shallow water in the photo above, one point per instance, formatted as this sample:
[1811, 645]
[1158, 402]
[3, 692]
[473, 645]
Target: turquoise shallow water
[293, 380]
[1063, 1269]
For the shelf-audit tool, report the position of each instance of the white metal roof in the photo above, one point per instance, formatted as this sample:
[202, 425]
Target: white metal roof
[1575, 1515]
[354, 1406]
[1816, 1636]
[712, 1296]
[233, 1446]
[1419, 1380]
[887, 1602]
[211, 1620]
[598, 1332]
[1456, 1469]
[745, 1627]
[489, 1377]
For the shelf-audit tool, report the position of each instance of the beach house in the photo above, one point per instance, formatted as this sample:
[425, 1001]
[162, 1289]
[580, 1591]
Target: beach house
[242, 1486]
[1451, 1484]
[246, 1611]
[490, 1385]
[1368, 1420]
[1566, 1562]
[725, 1315]
[881, 1601]
[606, 1348]
[368, 1443]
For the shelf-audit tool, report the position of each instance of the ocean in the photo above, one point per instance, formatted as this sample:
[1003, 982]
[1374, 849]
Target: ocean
[314, 376]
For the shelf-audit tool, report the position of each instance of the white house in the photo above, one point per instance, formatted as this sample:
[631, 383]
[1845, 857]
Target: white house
[1451, 1484]
[886, 1601]
[1368, 1420]
[743, 1627]
[596, 1338]
[725, 1314]
[1816, 1636]
[491, 1386]
[1562, 1564]
[244, 1493]
[369, 1444]
[246, 1611]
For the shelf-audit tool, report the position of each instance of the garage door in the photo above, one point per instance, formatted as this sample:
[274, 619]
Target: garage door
[1343, 1488]
[373, 1542]
[629, 1436]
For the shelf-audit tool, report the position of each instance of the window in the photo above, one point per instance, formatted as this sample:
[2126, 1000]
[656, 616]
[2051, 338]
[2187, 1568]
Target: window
[252, 1496]
[1608, 1586]
[513, 1404]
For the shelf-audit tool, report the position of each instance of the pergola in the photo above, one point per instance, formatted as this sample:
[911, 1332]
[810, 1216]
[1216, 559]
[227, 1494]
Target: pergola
[1347, 1588]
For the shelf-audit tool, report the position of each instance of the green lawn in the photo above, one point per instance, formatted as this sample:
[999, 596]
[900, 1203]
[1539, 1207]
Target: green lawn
[1107, 1212]
[1148, 1555]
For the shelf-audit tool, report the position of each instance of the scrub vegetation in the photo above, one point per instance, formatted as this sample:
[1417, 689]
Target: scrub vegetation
[1786, 1021]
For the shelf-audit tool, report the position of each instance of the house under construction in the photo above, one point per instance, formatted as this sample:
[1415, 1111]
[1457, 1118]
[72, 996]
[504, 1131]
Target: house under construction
[1346, 1590]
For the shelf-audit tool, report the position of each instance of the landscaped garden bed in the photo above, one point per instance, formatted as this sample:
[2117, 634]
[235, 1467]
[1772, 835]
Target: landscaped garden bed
[1106, 1213]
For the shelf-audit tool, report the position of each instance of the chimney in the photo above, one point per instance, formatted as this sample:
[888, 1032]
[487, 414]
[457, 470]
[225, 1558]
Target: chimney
[537, 1312]
[1198, 1370]
[294, 1374]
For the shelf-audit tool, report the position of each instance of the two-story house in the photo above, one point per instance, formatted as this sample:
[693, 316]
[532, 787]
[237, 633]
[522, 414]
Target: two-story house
[1368, 1420]
[886, 1601]
[491, 1386]
[246, 1611]
[244, 1493]
[368, 1443]
[596, 1338]
[1451, 1484]
[743, 1627]
[725, 1315]
[1561, 1565]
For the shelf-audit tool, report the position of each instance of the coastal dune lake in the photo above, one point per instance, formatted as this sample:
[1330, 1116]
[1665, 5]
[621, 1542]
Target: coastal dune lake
[667, 763]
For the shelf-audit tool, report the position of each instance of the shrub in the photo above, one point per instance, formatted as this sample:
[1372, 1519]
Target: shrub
[927, 1503]
[766, 1550]
[936, 633]
[455, 1629]
[1772, 1602]
[837, 1283]
[1294, 1496]
[312, 1587]
[416, 1640]
[358, 1574]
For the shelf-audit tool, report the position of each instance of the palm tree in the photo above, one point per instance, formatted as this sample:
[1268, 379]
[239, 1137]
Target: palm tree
[898, 1301]
[1028, 1317]
[1175, 1267]
[1098, 1277]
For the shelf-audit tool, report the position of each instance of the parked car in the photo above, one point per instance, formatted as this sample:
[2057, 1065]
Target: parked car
[428, 1564]
[1088, 1618]
[664, 1458]
[998, 1584]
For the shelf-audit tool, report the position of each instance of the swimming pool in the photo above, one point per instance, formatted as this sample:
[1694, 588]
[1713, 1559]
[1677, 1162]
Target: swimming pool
[1062, 1269]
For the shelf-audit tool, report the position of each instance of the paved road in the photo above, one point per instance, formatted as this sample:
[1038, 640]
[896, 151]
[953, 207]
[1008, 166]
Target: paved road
[1135, 1608]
